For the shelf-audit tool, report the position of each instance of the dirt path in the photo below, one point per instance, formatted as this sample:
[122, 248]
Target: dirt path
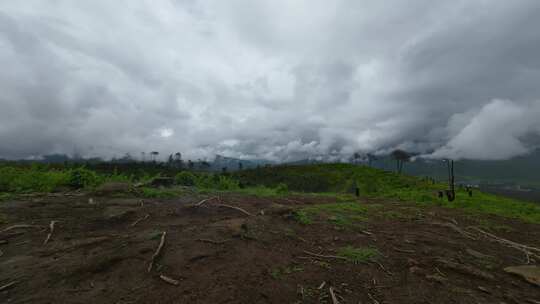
[99, 252]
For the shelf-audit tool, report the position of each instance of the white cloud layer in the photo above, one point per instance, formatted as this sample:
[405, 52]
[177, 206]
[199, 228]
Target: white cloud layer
[272, 79]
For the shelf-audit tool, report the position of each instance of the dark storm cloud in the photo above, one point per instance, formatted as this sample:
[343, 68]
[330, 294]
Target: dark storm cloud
[269, 79]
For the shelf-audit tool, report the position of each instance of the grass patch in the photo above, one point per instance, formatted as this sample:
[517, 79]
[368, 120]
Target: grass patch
[345, 215]
[359, 255]
[161, 193]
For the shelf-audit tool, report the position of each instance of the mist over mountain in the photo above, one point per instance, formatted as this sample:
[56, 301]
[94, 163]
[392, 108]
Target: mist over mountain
[276, 80]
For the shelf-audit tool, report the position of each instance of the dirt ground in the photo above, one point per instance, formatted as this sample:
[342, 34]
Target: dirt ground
[101, 248]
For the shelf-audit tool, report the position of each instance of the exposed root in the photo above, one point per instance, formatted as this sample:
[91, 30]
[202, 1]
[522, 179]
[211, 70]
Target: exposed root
[19, 226]
[139, 220]
[205, 200]
[8, 285]
[51, 231]
[235, 208]
[333, 296]
[158, 251]
[169, 280]
[211, 241]
[325, 256]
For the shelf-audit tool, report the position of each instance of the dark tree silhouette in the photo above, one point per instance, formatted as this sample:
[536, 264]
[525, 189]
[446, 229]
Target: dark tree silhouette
[450, 193]
[401, 157]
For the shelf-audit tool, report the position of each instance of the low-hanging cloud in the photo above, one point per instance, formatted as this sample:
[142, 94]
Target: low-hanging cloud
[500, 130]
[280, 80]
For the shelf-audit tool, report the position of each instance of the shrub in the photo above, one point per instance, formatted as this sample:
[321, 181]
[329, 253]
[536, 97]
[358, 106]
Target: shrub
[282, 189]
[185, 178]
[81, 178]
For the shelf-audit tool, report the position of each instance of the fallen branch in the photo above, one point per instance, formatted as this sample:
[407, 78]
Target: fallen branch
[51, 231]
[205, 200]
[334, 299]
[158, 251]
[373, 299]
[322, 285]
[456, 229]
[325, 256]
[235, 208]
[169, 280]
[403, 250]
[8, 285]
[139, 220]
[211, 241]
[20, 226]
[384, 269]
[508, 242]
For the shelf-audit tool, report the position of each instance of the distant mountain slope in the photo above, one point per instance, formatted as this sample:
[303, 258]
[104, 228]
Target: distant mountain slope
[524, 170]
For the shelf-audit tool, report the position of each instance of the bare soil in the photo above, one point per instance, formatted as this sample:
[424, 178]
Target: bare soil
[100, 251]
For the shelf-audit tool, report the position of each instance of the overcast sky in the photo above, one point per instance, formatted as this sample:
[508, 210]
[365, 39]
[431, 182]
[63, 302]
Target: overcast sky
[280, 80]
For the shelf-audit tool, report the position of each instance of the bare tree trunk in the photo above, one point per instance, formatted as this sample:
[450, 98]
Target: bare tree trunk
[451, 194]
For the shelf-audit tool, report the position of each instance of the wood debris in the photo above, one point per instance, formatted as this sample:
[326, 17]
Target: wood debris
[211, 241]
[528, 250]
[20, 226]
[169, 280]
[158, 251]
[333, 296]
[51, 231]
[325, 256]
[139, 220]
[204, 201]
[8, 285]
[235, 208]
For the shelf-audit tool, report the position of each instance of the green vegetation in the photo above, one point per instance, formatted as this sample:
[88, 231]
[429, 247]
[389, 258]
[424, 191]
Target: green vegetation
[161, 193]
[341, 179]
[345, 215]
[335, 180]
[359, 255]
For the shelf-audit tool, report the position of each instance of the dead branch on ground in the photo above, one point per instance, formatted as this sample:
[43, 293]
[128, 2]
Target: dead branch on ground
[169, 280]
[528, 250]
[51, 231]
[235, 208]
[8, 285]
[139, 220]
[373, 299]
[456, 229]
[403, 250]
[158, 251]
[333, 295]
[20, 226]
[205, 200]
[325, 256]
[211, 241]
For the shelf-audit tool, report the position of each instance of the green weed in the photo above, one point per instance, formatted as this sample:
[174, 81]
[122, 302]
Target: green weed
[358, 255]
